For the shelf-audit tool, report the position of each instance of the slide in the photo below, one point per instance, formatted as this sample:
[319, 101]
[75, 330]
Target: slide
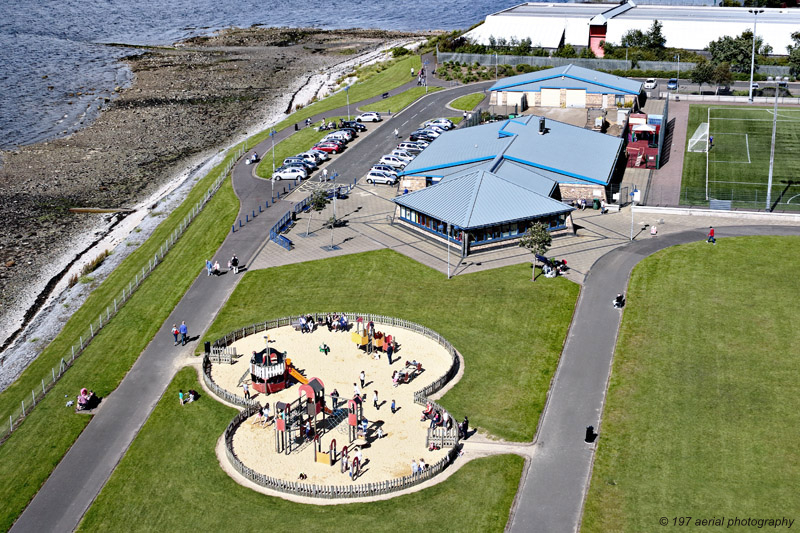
[298, 376]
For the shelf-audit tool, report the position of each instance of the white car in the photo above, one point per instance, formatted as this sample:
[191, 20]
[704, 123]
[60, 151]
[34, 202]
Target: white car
[337, 135]
[410, 147]
[402, 154]
[369, 117]
[422, 144]
[392, 161]
[385, 168]
[292, 173]
[376, 176]
[441, 123]
[318, 155]
[433, 132]
[650, 83]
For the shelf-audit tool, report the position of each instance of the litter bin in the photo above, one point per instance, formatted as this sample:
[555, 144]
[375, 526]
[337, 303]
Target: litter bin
[294, 216]
[596, 203]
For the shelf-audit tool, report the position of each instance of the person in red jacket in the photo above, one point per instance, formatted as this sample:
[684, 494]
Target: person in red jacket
[711, 238]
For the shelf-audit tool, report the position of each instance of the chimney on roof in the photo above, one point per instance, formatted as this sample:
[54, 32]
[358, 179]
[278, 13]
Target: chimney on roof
[542, 128]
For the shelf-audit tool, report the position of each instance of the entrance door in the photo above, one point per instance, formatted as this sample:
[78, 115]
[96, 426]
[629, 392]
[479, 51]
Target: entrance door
[576, 97]
[551, 97]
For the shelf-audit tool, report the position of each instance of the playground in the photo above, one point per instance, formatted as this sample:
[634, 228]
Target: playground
[305, 433]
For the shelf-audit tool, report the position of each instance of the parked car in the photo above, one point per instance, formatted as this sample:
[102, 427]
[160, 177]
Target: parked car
[672, 84]
[433, 127]
[423, 135]
[385, 168]
[755, 85]
[296, 164]
[348, 133]
[443, 123]
[328, 147]
[434, 132]
[351, 131]
[650, 83]
[289, 174]
[355, 125]
[319, 154]
[410, 147]
[376, 176]
[402, 154]
[314, 155]
[392, 161]
[311, 165]
[422, 143]
[336, 136]
[369, 117]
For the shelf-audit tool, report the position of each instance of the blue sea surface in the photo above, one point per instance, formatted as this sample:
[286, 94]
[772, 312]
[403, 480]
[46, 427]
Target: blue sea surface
[56, 68]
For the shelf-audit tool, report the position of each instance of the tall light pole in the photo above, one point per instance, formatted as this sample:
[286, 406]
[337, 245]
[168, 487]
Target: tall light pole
[633, 192]
[772, 148]
[347, 92]
[272, 136]
[755, 13]
[678, 79]
[495, 66]
[448, 250]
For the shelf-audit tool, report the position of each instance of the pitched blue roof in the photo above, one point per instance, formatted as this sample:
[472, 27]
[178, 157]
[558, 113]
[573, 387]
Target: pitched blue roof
[569, 77]
[478, 198]
[551, 156]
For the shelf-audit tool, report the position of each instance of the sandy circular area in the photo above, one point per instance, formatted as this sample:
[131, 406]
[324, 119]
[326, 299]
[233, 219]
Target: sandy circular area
[385, 458]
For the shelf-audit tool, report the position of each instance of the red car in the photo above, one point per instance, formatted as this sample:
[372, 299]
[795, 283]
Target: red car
[328, 147]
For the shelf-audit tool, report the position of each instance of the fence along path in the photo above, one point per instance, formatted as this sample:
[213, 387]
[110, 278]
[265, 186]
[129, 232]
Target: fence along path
[442, 436]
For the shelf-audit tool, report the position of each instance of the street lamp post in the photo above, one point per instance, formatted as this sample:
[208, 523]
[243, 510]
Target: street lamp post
[272, 136]
[755, 13]
[495, 66]
[448, 250]
[632, 201]
[347, 92]
[678, 79]
[772, 148]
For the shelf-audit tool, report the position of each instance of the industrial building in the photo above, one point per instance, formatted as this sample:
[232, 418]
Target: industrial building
[588, 25]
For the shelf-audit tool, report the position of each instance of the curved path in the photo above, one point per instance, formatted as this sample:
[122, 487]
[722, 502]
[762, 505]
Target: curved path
[83, 471]
[554, 486]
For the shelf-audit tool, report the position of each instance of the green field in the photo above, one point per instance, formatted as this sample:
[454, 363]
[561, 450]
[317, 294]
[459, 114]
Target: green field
[702, 417]
[738, 162]
[171, 480]
[467, 102]
[399, 101]
[509, 330]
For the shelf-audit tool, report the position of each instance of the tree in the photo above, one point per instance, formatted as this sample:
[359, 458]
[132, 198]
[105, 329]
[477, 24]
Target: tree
[794, 54]
[319, 199]
[723, 75]
[537, 240]
[566, 51]
[633, 39]
[737, 50]
[653, 40]
[703, 72]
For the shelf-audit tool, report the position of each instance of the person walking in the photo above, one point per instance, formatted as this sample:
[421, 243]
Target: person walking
[396, 133]
[375, 400]
[389, 351]
[363, 377]
[356, 390]
[235, 264]
[184, 331]
[324, 174]
[394, 407]
[246, 390]
[711, 237]
[175, 333]
[209, 266]
[180, 396]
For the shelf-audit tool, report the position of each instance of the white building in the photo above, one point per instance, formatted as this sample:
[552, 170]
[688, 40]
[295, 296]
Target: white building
[688, 27]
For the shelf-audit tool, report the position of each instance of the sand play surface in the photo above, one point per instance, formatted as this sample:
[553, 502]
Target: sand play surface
[385, 458]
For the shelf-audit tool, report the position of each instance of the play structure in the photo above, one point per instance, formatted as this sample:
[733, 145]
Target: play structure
[370, 340]
[270, 371]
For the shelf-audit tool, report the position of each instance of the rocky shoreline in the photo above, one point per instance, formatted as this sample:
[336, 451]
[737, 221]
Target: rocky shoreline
[186, 103]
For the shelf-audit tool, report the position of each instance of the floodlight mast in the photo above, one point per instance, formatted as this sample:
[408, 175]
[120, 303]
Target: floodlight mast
[755, 13]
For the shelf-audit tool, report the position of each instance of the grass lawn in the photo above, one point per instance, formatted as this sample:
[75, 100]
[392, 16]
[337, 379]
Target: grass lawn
[399, 101]
[509, 330]
[27, 458]
[468, 102]
[702, 417]
[170, 480]
[738, 163]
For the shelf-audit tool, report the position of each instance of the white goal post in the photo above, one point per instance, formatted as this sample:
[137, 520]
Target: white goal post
[699, 141]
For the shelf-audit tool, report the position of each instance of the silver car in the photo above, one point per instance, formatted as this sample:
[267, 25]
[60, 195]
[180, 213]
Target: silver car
[377, 176]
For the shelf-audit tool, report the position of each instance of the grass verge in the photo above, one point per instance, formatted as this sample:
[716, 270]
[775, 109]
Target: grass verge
[509, 330]
[702, 417]
[27, 458]
[192, 488]
[400, 101]
[301, 141]
[468, 101]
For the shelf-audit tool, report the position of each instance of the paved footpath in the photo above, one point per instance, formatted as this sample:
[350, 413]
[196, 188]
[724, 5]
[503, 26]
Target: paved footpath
[555, 485]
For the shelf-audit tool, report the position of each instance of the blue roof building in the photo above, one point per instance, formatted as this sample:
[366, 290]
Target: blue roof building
[490, 182]
[566, 86]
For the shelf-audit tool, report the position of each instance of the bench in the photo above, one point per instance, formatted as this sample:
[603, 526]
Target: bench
[612, 208]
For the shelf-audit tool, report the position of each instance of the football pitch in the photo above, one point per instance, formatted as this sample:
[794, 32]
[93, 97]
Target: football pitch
[736, 166]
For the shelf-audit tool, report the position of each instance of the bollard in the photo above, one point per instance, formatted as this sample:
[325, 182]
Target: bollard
[240, 222]
[233, 228]
[259, 208]
[246, 218]
[254, 211]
